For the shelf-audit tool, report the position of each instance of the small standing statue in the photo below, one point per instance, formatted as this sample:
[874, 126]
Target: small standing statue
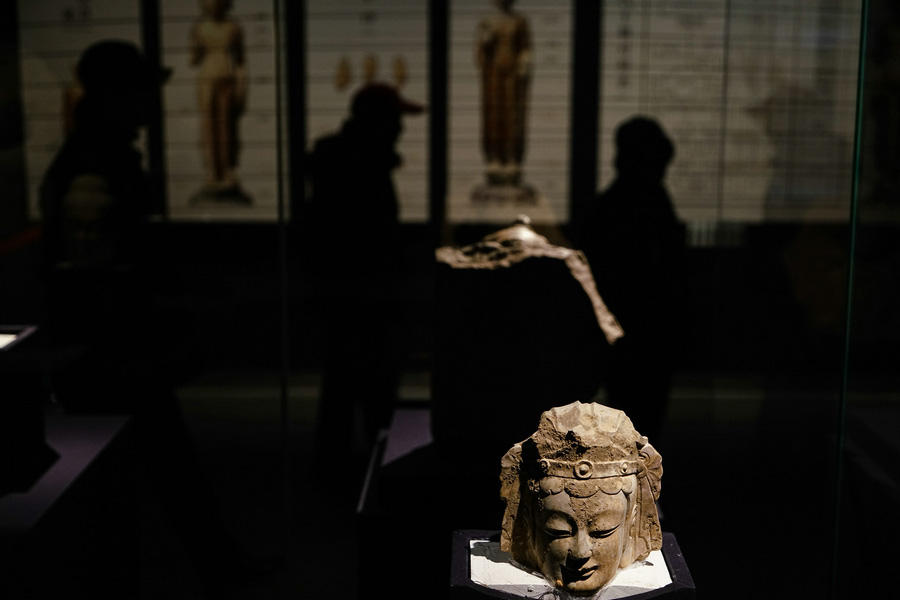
[503, 54]
[580, 497]
[217, 48]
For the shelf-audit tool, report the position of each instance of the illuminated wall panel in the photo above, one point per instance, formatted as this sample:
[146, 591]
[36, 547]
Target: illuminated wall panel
[194, 191]
[350, 43]
[759, 98]
[545, 166]
[52, 36]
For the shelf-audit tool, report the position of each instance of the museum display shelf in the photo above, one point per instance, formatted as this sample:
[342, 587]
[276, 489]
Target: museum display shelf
[481, 570]
[74, 528]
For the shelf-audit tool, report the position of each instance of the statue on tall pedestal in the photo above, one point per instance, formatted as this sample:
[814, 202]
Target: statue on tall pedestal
[217, 49]
[503, 55]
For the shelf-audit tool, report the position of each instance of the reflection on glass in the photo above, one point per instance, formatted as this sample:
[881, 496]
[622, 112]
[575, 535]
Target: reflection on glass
[508, 115]
[217, 50]
[385, 42]
[503, 54]
[758, 97]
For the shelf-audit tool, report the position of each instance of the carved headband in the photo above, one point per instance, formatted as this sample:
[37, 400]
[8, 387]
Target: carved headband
[586, 469]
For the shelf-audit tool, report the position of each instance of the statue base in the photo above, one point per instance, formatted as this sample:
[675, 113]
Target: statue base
[505, 194]
[481, 570]
[221, 194]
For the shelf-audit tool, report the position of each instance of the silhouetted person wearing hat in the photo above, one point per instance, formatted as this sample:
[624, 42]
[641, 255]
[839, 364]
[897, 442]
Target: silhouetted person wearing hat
[351, 173]
[98, 259]
[354, 254]
[635, 245]
[96, 205]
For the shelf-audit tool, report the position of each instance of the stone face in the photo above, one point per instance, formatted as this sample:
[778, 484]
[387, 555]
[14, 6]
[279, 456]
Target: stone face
[580, 497]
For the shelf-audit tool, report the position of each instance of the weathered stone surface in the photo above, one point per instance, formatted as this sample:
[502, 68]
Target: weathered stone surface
[503, 55]
[580, 497]
[517, 320]
[515, 244]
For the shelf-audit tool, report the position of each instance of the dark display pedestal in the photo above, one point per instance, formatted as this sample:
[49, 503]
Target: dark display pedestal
[464, 588]
[24, 453]
[74, 531]
[410, 488]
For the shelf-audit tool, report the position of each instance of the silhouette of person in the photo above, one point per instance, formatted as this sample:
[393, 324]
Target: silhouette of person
[96, 200]
[355, 256]
[635, 246]
[98, 262]
[217, 49]
[503, 54]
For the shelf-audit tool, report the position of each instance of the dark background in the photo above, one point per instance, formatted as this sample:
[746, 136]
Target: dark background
[780, 443]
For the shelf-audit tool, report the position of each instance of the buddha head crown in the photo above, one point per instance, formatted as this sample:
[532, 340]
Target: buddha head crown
[580, 497]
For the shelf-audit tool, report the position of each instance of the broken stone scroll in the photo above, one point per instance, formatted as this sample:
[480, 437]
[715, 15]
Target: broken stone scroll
[518, 320]
[580, 497]
[519, 242]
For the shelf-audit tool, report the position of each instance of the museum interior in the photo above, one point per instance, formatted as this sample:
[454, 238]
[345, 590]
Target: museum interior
[282, 281]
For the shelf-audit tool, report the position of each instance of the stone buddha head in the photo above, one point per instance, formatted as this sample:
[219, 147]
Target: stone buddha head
[580, 497]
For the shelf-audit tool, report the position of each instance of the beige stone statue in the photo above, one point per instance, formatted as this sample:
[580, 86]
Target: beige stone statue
[217, 49]
[503, 55]
[580, 497]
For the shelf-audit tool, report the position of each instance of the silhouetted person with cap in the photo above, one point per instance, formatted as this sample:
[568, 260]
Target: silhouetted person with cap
[635, 245]
[355, 256]
[97, 257]
[353, 192]
[96, 205]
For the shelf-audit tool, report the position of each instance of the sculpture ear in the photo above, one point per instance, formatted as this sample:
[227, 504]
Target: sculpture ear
[510, 466]
[647, 533]
[652, 468]
[633, 527]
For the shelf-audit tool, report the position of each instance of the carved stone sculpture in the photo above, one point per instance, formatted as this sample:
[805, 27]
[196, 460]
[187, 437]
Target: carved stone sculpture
[217, 49]
[519, 242]
[580, 497]
[503, 55]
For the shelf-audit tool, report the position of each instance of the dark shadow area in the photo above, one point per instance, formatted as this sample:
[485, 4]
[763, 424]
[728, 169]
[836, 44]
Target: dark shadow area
[113, 349]
[253, 405]
[352, 255]
[635, 245]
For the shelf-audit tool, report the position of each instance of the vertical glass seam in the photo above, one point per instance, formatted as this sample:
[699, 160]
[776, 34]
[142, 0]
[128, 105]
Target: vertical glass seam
[853, 216]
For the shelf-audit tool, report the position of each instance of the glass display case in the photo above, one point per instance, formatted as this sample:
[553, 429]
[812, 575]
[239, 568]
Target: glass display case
[776, 348]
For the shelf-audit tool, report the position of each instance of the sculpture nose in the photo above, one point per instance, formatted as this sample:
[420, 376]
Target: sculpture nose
[581, 548]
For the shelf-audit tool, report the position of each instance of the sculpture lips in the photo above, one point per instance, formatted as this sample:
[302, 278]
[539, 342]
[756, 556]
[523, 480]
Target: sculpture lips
[572, 575]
